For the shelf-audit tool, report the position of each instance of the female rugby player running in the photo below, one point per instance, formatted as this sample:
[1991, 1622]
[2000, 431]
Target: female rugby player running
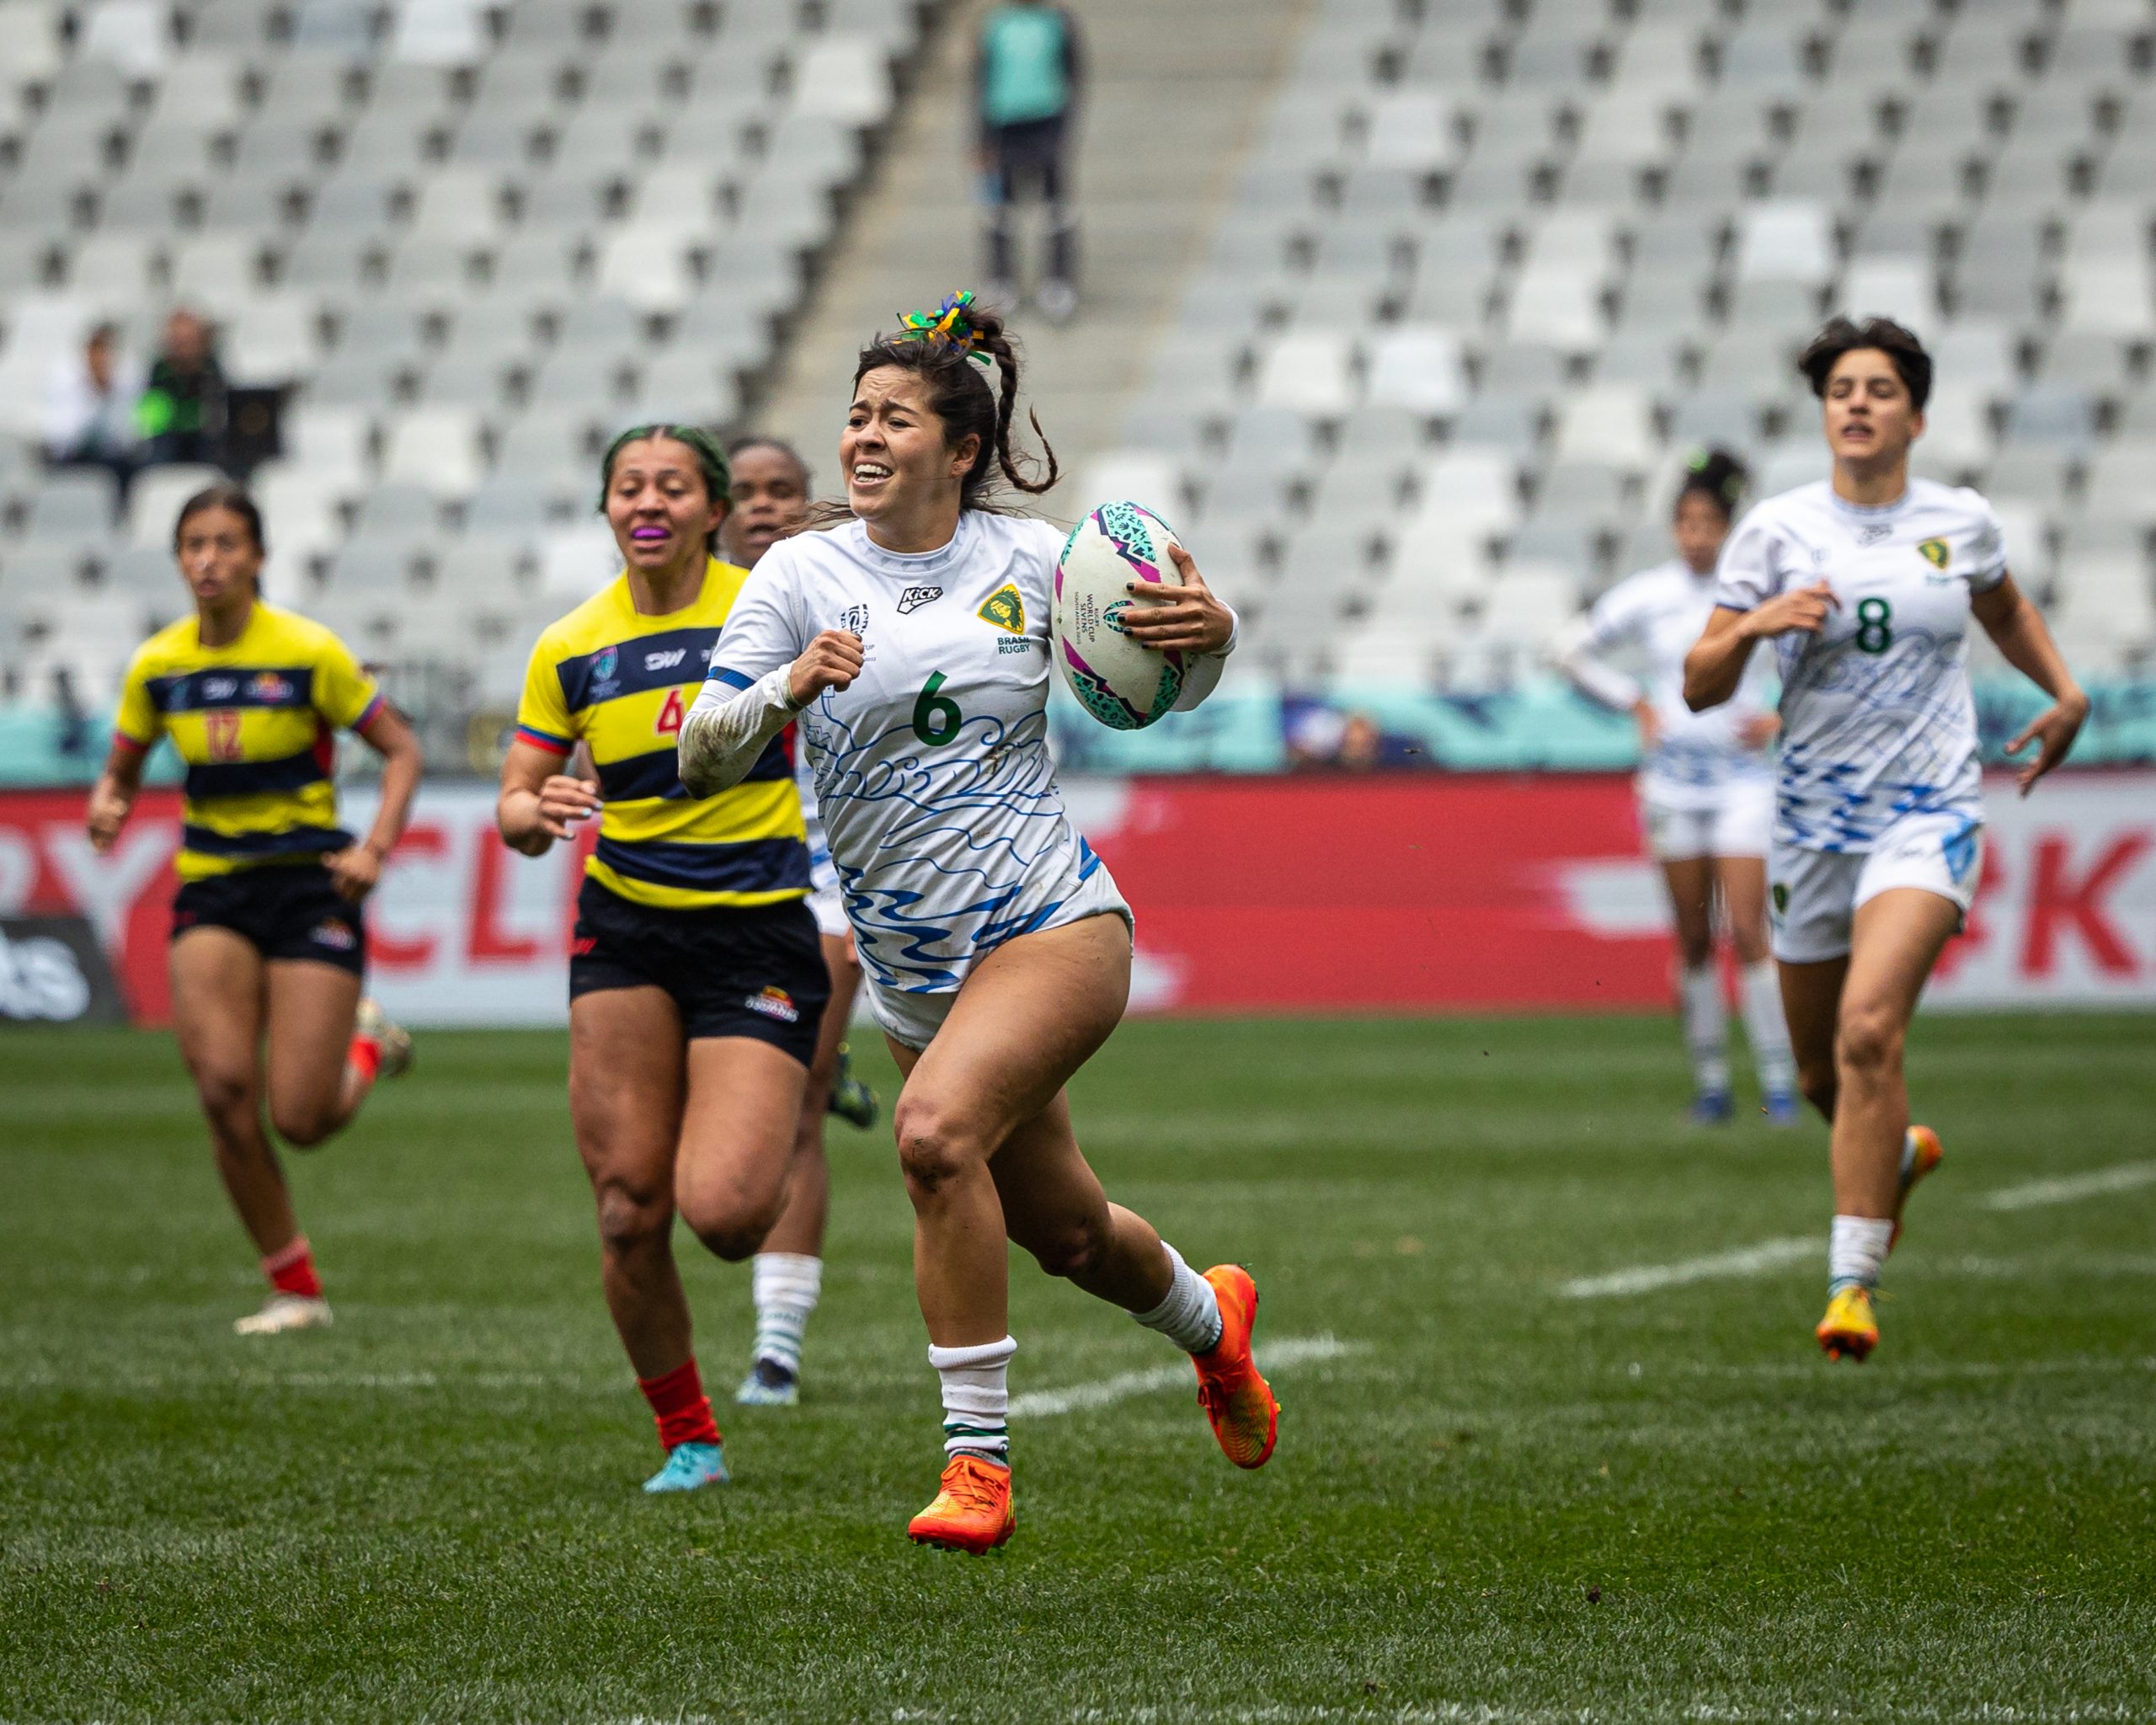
[268, 945]
[696, 984]
[771, 500]
[1865, 583]
[1706, 787]
[911, 643]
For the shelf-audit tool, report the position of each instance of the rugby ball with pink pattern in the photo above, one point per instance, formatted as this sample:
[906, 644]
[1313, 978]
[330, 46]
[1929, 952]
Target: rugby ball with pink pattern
[1122, 684]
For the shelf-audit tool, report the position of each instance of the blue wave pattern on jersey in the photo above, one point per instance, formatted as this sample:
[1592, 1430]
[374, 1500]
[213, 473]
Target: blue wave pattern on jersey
[1909, 731]
[985, 767]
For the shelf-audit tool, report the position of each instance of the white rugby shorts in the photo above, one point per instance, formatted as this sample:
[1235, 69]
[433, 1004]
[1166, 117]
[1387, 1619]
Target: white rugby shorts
[1813, 895]
[914, 1020]
[1742, 824]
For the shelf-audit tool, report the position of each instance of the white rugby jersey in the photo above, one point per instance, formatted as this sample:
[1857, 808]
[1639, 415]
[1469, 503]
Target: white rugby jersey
[933, 772]
[1877, 719]
[1661, 611]
[819, 843]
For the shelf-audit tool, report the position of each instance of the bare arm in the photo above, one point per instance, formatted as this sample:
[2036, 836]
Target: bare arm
[356, 870]
[2018, 630]
[539, 803]
[1715, 666]
[112, 798]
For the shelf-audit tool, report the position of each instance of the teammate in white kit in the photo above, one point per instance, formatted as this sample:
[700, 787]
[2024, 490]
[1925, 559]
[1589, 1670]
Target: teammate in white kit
[1866, 584]
[1705, 785]
[769, 500]
[911, 644]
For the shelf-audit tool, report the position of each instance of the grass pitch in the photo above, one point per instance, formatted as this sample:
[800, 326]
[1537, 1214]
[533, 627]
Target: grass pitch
[1493, 1499]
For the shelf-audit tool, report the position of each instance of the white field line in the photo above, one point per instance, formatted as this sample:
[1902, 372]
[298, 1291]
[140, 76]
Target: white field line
[1744, 1261]
[2067, 1189]
[1272, 1356]
[1773, 1254]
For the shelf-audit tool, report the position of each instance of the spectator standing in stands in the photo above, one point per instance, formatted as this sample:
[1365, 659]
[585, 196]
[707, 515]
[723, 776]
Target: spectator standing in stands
[1026, 76]
[181, 412]
[89, 408]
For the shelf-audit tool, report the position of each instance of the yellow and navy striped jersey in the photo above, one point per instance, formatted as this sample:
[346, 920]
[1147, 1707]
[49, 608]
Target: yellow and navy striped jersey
[622, 683]
[255, 722]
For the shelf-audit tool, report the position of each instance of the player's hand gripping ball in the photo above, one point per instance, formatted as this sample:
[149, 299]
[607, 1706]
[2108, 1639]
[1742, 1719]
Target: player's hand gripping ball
[1122, 682]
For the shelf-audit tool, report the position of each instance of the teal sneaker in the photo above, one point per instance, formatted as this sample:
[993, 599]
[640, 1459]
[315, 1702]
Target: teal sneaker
[851, 1100]
[768, 1385]
[689, 1465]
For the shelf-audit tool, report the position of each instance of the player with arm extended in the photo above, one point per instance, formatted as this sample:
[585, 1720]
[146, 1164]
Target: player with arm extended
[1865, 583]
[696, 982]
[268, 941]
[1706, 786]
[910, 644]
[771, 500]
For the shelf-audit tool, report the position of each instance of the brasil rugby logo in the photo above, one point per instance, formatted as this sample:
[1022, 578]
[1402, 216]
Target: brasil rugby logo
[1934, 552]
[1004, 609]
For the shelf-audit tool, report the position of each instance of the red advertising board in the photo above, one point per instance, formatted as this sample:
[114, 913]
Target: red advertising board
[1253, 894]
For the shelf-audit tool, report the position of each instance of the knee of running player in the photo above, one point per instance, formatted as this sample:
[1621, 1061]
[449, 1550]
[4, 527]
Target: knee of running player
[304, 1123]
[1071, 1244]
[1868, 1041]
[229, 1097]
[632, 1217]
[937, 1144]
[730, 1219]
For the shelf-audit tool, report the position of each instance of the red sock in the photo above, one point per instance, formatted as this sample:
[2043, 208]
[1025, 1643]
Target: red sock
[290, 1270]
[679, 1406]
[365, 1054]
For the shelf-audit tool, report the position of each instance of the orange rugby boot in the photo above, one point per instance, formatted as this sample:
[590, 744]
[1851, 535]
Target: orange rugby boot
[972, 1511]
[1850, 1328]
[1235, 1398]
[1921, 1153]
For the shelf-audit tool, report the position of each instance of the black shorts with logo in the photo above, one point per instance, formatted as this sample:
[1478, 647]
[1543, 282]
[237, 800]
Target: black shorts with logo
[287, 910]
[756, 971]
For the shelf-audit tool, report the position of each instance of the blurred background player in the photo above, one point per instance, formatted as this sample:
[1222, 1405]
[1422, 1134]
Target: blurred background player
[1028, 75]
[695, 981]
[771, 499]
[1866, 582]
[1705, 787]
[996, 946]
[268, 942]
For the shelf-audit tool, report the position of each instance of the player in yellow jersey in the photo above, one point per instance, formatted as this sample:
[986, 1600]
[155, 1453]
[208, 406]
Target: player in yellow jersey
[268, 945]
[696, 985]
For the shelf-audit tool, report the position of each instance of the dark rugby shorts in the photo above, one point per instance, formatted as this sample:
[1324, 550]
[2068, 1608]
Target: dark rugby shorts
[755, 971]
[287, 910]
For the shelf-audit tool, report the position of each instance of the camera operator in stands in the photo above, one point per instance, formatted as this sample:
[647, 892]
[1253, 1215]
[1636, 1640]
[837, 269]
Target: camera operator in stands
[181, 412]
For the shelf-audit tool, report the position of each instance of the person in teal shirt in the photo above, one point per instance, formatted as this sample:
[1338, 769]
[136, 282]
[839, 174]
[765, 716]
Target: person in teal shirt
[1027, 76]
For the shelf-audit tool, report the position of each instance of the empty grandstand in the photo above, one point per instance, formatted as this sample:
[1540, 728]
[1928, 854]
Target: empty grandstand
[1488, 269]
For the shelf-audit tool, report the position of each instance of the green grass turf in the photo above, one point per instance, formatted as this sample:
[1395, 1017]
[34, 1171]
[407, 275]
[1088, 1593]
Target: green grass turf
[1499, 1502]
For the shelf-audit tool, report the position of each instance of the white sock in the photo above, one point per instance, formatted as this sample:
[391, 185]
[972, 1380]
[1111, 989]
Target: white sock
[785, 1286]
[1190, 1316]
[1855, 1250]
[1760, 991]
[1707, 1028]
[976, 1398]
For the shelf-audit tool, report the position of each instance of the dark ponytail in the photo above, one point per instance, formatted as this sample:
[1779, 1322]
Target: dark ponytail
[1716, 475]
[952, 352]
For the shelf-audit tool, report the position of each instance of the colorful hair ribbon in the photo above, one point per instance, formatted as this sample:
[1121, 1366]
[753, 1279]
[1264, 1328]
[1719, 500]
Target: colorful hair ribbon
[948, 326]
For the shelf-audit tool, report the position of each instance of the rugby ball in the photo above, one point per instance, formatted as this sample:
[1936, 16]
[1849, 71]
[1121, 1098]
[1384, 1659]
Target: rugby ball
[1122, 684]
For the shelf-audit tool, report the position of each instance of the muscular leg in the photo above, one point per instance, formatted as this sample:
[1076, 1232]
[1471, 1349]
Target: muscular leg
[738, 1129]
[1053, 1205]
[216, 1009]
[626, 1086]
[800, 1226]
[1690, 881]
[311, 1007]
[1743, 884]
[1811, 1000]
[1029, 1015]
[1897, 939]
